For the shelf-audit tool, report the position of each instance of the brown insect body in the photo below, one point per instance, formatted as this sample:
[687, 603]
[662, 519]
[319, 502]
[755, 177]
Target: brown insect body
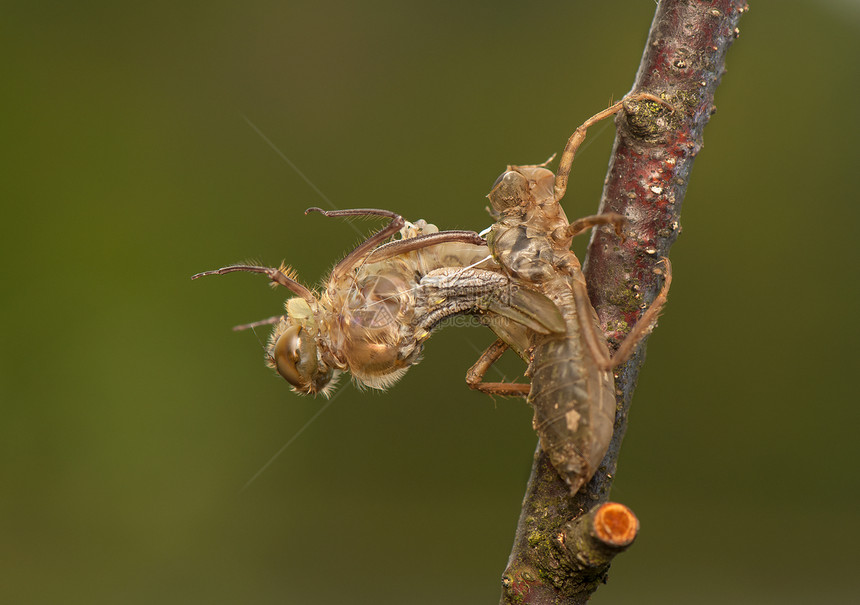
[572, 395]
[381, 303]
[372, 319]
[572, 388]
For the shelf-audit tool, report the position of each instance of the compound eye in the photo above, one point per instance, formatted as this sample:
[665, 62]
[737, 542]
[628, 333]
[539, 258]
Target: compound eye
[287, 354]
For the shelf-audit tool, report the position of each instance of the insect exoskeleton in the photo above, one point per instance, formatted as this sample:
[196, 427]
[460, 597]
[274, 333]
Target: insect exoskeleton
[572, 388]
[520, 183]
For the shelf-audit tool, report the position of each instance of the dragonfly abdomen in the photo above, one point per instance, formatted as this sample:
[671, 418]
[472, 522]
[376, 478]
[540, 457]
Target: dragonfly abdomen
[573, 400]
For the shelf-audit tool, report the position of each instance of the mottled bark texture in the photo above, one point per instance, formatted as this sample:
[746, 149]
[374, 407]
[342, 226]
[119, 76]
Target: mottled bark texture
[564, 544]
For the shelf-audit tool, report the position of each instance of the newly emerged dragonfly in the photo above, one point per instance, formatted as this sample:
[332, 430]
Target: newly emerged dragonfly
[572, 388]
[380, 304]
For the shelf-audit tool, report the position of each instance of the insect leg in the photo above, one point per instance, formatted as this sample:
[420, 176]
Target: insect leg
[594, 339]
[475, 375]
[581, 224]
[573, 144]
[277, 276]
[370, 243]
[647, 322]
[403, 246]
[578, 137]
[642, 328]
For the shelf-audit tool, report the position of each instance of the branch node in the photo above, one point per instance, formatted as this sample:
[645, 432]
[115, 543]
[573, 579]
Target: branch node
[593, 539]
[650, 117]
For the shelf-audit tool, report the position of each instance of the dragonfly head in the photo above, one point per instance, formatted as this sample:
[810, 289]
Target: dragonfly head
[293, 352]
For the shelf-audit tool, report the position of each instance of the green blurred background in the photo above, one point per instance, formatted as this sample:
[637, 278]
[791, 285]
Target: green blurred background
[132, 416]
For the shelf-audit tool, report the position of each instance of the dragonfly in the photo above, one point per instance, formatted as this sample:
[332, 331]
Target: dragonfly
[572, 388]
[382, 301]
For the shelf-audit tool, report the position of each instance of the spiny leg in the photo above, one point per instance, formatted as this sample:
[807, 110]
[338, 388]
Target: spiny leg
[594, 338]
[592, 335]
[475, 375]
[395, 248]
[578, 137]
[411, 244]
[370, 243]
[277, 276]
[573, 144]
[647, 322]
[587, 222]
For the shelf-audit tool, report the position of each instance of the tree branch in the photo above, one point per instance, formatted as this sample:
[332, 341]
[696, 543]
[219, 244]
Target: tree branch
[564, 545]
